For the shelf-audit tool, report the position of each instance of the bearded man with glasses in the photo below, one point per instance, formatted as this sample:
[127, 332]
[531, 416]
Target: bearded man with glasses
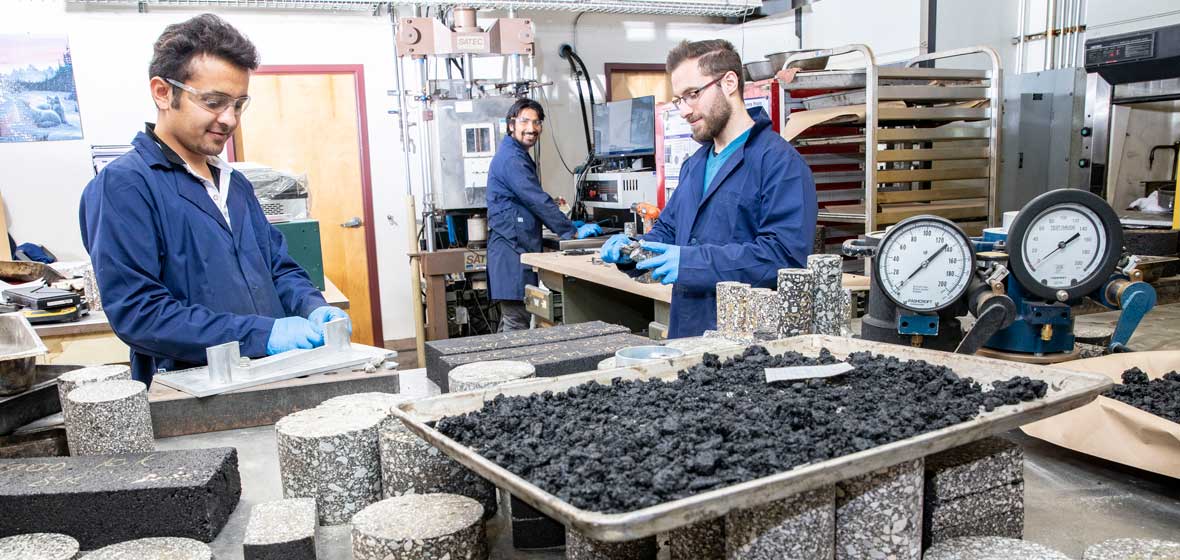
[745, 204]
[517, 207]
[182, 251]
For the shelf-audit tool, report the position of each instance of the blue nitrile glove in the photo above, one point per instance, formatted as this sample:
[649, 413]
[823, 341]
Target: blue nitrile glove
[589, 230]
[290, 333]
[324, 313]
[579, 223]
[665, 266]
[612, 250]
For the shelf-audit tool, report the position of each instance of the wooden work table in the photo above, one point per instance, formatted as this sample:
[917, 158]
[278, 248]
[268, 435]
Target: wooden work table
[91, 341]
[592, 290]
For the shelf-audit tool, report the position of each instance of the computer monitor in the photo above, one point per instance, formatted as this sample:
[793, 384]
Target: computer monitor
[625, 128]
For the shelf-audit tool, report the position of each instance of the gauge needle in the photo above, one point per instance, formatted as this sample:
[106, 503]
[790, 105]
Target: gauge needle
[1060, 246]
[924, 264]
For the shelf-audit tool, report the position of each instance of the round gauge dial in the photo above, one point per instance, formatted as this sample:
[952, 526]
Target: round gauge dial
[1064, 244]
[925, 263]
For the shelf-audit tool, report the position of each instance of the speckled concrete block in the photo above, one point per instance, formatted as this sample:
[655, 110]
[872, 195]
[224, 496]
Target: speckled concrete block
[700, 541]
[171, 548]
[1008, 524]
[410, 465]
[331, 454]
[879, 515]
[559, 358]
[73, 379]
[802, 526]
[281, 530]
[39, 546]
[579, 547]
[420, 526]
[1133, 549]
[964, 509]
[991, 548]
[108, 418]
[436, 350]
[763, 312]
[477, 376]
[730, 307]
[972, 468]
[795, 292]
[828, 293]
[381, 402]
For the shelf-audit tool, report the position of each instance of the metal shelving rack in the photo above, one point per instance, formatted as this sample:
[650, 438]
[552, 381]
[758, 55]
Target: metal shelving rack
[934, 135]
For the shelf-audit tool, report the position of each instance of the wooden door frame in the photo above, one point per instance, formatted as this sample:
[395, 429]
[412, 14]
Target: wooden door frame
[358, 75]
[612, 67]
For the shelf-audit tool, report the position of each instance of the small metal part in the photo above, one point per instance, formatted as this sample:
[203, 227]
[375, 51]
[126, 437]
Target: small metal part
[223, 359]
[1062, 296]
[225, 371]
[1047, 332]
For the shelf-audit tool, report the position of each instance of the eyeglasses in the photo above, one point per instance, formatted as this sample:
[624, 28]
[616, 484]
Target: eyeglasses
[691, 96]
[523, 121]
[212, 101]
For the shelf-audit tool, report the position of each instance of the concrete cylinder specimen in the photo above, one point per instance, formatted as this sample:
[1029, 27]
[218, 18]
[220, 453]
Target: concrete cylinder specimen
[989, 548]
[828, 293]
[1133, 549]
[802, 526]
[39, 546]
[763, 313]
[849, 312]
[172, 548]
[107, 418]
[879, 515]
[420, 526]
[730, 306]
[704, 540]
[381, 402]
[281, 530]
[796, 287]
[580, 547]
[330, 453]
[608, 363]
[71, 380]
[410, 465]
[477, 376]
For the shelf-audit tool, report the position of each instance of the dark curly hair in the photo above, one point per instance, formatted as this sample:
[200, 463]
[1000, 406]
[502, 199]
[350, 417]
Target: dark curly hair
[520, 105]
[205, 34]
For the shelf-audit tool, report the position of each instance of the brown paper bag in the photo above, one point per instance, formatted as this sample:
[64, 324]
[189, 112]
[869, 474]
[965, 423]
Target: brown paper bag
[1114, 430]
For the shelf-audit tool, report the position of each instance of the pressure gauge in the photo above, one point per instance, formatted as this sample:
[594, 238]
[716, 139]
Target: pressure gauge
[1064, 244]
[925, 263]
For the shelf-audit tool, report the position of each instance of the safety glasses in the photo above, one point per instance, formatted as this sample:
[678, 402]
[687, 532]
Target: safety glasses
[212, 101]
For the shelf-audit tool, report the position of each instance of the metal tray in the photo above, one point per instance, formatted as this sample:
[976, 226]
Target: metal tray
[1068, 390]
[19, 348]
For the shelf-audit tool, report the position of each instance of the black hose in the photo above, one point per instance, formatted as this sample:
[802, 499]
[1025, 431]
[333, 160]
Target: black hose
[567, 52]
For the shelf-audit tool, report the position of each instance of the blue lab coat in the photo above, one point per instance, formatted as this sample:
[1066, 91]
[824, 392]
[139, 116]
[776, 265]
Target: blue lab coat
[758, 215]
[516, 209]
[173, 276]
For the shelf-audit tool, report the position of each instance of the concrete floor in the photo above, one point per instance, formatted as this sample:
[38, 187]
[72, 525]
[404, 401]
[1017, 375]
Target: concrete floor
[1071, 500]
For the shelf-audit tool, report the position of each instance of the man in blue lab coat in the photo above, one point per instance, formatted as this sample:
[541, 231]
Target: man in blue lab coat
[182, 251]
[745, 205]
[517, 207]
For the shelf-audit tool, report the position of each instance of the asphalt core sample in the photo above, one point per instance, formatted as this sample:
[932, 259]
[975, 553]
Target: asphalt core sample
[634, 444]
[1160, 396]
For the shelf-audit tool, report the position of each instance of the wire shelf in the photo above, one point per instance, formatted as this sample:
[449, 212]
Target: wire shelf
[717, 8]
